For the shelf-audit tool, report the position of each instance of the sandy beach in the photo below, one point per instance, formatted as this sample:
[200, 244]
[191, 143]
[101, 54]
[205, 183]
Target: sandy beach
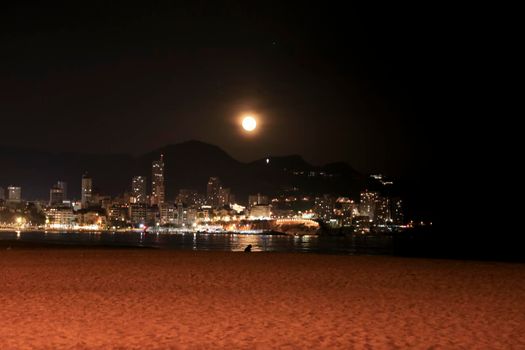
[155, 299]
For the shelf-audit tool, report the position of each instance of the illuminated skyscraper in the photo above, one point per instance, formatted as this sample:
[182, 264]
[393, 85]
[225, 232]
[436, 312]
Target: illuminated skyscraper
[224, 196]
[191, 198]
[383, 214]
[368, 204]
[324, 207]
[63, 186]
[213, 190]
[345, 209]
[397, 211]
[14, 194]
[157, 181]
[56, 195]
[87, 188]
[138, 189]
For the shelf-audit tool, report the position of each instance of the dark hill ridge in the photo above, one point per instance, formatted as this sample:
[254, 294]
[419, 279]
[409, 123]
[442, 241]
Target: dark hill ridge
[294, 162]
[188, 165]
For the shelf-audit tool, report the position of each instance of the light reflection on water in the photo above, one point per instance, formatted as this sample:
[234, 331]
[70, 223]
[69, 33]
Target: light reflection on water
[213, 241]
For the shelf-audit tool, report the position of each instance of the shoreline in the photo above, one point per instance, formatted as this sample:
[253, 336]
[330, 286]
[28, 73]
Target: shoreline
[29, 245]
[408, 244]
[166, 232]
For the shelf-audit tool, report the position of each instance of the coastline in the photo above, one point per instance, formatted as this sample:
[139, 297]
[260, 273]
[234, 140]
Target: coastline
[134, 231]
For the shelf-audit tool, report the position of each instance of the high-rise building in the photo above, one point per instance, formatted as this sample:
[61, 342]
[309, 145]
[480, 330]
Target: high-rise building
[324, 207]
[63, 186]
[191, 198]
[56, 195]
[138, 213]
[157, 181]
[382, 215]
[138, 189]
[118, 214]
[14, 194]
[2, 193]
[397, 211]
[152, 215]
[345, 209]
[182, 214]
[213, 191]
[257, 199]
[368, 204]
[100, 200]
[224, 196]
[87, 189]
[168, 213]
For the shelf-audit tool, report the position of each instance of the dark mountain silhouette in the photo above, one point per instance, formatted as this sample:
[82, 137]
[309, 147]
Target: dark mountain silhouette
[187, 165]
[292, 162]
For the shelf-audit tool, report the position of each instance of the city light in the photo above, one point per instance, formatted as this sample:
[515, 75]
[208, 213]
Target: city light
[214, 211]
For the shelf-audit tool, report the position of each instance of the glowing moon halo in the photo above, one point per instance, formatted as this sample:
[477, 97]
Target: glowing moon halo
[249, 123]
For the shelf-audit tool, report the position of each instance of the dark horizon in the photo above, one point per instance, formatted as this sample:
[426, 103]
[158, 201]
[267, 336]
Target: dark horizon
[28, 148]
[328, 83]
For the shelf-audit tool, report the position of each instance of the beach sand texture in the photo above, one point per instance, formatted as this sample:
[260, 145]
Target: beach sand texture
[150, 299]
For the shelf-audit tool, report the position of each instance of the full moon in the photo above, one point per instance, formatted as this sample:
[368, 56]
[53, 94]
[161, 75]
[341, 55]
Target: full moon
[249, 123]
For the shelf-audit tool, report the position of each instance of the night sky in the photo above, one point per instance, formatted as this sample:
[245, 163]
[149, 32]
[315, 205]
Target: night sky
[327, 82]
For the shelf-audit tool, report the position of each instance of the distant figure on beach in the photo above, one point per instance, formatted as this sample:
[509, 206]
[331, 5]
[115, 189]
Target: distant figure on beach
[248, 249]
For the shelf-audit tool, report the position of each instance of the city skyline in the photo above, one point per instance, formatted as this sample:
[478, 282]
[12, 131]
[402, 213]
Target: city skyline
[195, 160]
[141, 208]
[374, 212]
